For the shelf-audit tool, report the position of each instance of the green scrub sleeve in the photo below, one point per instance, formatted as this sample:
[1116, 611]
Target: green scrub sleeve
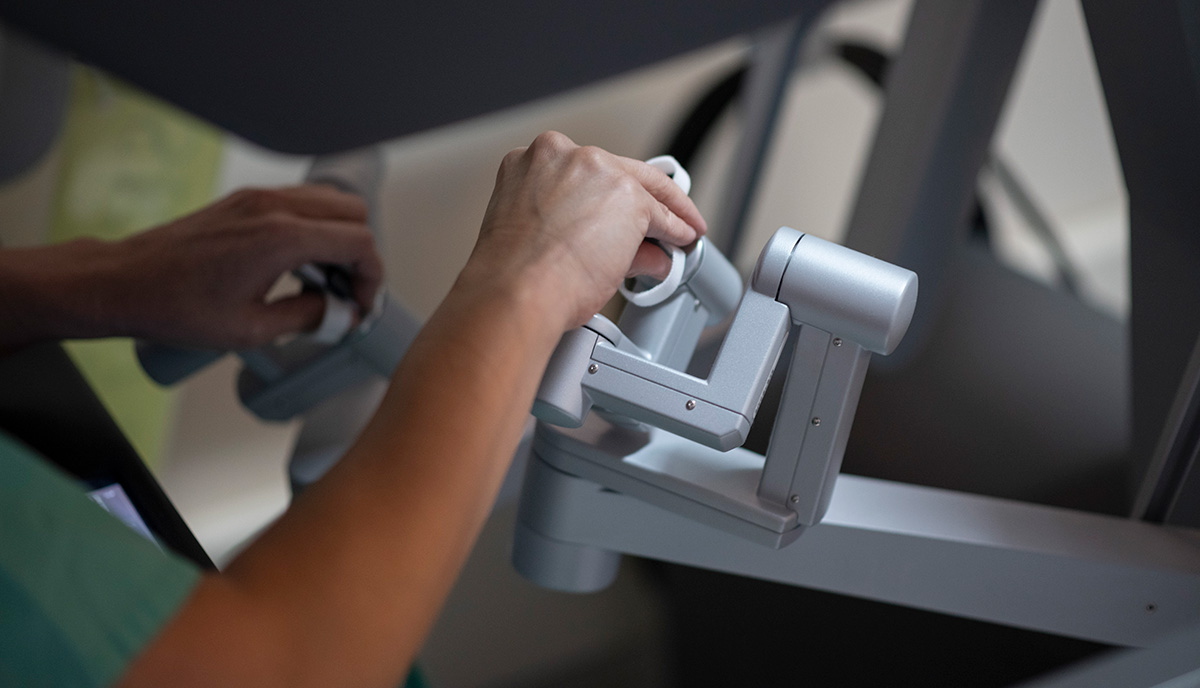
[80, 593]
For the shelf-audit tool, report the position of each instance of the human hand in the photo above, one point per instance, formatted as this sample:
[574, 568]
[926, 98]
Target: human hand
[573, 221]
[202, 280]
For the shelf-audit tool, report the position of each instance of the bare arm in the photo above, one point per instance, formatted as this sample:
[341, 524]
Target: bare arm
[198, 281]
[344, 588]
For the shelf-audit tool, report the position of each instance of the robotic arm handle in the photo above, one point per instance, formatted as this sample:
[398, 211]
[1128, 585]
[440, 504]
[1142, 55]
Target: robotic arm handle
[279, 381]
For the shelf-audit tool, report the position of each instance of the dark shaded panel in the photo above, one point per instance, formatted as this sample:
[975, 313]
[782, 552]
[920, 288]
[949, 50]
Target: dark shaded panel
[317, 77]
[731, 631]
[1145, 53]
[47, 404]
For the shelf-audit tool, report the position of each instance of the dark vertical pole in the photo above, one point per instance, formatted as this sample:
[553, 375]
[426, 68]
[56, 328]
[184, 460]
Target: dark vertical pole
[1147, 57]
[943, 99]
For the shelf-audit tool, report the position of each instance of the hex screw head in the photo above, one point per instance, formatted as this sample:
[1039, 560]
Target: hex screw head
[795, 499]
[816, 421]
[837, 341]
[690, 405]
[593, 368]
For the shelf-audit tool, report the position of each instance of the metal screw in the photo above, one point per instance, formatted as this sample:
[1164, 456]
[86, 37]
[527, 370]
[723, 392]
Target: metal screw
[696, 306]
[837, 341]
[1151, 608]
[593, 368]
[816, 421]
[691, 404]
[795, 499]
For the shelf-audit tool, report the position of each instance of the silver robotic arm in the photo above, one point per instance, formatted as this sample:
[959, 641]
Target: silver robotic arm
[650, 472]
[846, 305]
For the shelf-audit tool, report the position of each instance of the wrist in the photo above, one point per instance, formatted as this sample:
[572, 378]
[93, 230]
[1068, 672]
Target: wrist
[56, 292]
[529, 295]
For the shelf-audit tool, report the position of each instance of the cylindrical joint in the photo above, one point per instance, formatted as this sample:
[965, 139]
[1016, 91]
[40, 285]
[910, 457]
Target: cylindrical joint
[562, 566]
[359, 172]
[167, 365]
[849, 294]
[713, 280]
[773, 261]
[560, 397]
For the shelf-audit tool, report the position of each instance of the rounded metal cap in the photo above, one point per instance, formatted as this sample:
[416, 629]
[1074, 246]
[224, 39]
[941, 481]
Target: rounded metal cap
[773, 261]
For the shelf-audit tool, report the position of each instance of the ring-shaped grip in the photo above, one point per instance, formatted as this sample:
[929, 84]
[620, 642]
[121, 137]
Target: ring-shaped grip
[663, 290]
[671, 166]
[336, 321]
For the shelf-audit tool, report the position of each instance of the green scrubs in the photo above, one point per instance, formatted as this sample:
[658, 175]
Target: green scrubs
[80, 593]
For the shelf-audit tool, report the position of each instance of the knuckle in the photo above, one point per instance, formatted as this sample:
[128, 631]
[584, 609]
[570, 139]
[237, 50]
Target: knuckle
[627, 186]
[255, 201]
[276, 227]
[592, 156]
[512, 158]
[549, 144]
[551, 139]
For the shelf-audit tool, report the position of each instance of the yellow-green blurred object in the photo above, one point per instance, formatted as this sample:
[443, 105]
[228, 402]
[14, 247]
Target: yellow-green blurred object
[129, 162]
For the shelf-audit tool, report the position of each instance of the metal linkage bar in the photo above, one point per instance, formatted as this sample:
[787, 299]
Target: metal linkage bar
[1076, 574]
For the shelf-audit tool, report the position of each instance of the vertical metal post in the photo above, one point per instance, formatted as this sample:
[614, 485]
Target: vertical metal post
[943, 99]
[771, 62]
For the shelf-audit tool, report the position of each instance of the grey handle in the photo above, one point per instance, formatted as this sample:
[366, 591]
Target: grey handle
[167, 365]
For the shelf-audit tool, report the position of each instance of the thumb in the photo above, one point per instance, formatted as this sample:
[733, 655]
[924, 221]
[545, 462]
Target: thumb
[299, 313]
[650, 260]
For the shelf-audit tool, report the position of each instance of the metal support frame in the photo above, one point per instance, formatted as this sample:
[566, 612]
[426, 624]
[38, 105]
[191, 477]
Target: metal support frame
[943, 98]
[771, 61]
[1170, 492]
[1171, 662]
[1072, 573]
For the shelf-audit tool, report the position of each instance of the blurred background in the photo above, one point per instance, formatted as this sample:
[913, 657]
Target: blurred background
[125, 161]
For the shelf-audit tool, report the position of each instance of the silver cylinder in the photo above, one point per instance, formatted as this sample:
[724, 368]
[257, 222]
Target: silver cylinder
[848, 294]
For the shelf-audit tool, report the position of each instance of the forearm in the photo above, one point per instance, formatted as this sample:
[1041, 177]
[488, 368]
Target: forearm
[343, 589]
[53, 292]
[350, 580]
[201, 280]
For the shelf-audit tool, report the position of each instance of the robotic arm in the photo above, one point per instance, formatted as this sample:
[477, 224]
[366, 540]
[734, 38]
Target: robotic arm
[846, 305]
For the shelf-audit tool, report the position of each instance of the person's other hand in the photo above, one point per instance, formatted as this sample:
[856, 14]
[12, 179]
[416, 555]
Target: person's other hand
[573, 221]
[202, 280]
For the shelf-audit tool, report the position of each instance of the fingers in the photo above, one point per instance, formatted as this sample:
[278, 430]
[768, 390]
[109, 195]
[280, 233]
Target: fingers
[304, 240]
[670, 228]
[677, 220]
[317, 201]
[300, 313]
